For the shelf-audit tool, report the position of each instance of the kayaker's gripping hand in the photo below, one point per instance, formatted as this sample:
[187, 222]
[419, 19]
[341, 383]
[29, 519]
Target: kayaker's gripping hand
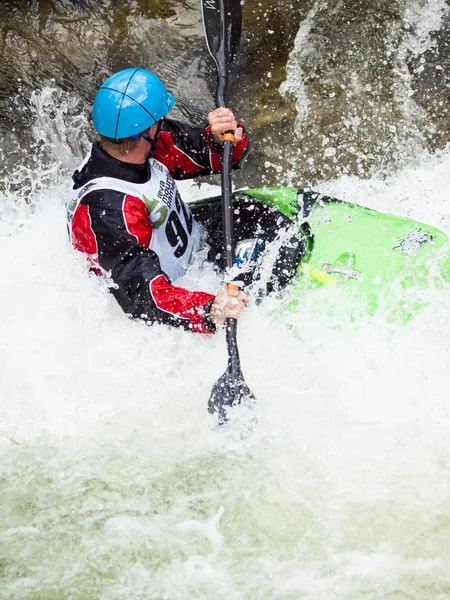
[221, 120]
[228, 304]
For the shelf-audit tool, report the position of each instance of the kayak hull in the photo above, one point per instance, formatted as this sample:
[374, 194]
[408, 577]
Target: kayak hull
[377, 260]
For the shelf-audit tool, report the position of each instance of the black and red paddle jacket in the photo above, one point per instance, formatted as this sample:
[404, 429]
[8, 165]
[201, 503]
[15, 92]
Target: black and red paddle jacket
[119, 239]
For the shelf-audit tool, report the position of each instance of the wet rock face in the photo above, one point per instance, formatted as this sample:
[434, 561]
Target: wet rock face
[324, 88]
[362, 105]
[351, 114]
[430, 74]
[73, 46]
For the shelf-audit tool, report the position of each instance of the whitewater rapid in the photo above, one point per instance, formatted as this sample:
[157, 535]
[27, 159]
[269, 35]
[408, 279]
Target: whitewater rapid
[114, 483]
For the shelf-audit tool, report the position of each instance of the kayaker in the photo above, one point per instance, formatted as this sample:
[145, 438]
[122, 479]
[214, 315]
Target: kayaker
[124, 210]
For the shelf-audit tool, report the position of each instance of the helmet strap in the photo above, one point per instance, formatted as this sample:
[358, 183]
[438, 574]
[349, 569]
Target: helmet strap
[153, 141]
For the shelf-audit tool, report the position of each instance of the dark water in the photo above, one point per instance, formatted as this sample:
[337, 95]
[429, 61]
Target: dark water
[377, 86]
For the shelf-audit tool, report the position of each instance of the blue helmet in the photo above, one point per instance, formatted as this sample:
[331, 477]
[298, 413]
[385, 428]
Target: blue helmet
[129, 102]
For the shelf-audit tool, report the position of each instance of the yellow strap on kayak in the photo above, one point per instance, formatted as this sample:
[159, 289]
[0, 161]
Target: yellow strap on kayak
[317, 274]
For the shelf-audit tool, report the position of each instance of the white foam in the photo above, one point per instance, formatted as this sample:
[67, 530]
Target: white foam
[105, 432]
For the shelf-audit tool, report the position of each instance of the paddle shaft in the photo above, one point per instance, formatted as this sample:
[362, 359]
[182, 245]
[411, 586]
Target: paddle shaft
[222, 21]
[234, 363]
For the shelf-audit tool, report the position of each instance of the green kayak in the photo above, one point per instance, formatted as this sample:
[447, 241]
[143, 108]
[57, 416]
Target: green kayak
[377, 260]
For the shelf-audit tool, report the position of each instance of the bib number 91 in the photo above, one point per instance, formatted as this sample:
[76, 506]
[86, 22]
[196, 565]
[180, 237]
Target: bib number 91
[178, 233]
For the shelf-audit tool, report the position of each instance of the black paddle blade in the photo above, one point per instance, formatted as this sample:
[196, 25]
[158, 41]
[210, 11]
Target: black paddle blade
[228, 392]
[233, 26]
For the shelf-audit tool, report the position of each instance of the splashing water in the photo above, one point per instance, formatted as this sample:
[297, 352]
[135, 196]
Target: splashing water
[114, 483]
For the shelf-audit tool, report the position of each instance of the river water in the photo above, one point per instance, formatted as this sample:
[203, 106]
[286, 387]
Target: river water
[114, 483]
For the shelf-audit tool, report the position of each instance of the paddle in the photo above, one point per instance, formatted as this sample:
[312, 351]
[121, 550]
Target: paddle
[222, 21]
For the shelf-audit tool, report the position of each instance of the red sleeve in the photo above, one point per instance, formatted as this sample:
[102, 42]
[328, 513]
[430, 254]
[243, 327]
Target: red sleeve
[181, 303]
[216, 152]
[189, 151]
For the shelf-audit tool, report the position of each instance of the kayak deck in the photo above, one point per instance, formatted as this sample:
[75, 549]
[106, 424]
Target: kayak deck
[380, 259]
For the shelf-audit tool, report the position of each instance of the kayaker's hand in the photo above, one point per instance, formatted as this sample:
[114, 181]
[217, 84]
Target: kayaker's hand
[228, 304]
[221, 120]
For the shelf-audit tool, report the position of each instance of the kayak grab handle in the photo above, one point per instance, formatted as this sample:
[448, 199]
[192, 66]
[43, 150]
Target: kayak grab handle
[317, 274]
